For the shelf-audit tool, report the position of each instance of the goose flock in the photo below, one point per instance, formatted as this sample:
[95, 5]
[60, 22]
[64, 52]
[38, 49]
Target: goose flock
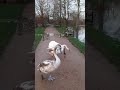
[48, 66]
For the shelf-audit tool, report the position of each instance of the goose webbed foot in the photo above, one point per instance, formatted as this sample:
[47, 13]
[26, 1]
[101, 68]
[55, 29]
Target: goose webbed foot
[50, 78]
[42, 77]
[64, 55]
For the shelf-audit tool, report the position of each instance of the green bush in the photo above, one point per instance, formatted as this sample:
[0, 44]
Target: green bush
[38, 36]
[61, 29]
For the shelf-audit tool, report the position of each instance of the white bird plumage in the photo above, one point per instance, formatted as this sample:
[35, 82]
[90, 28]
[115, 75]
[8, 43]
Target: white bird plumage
[48, 66]
[53, 45]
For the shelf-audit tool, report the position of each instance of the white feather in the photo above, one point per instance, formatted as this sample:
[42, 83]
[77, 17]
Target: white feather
[50, 65]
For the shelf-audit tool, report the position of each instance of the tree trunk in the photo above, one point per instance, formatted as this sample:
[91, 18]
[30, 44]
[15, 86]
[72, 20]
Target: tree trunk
[48, 7]
[48, 19]
[65, 19]
[43, 19]
[77, 20]
[66, 22]
[67, 12]
[60, 14]
[77, 31]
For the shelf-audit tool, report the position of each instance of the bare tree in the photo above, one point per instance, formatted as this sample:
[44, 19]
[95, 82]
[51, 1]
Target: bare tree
[60, 3]
[59, 10]
[68, 9]
[68, 4]
[47, 10]
[40, 5]
[56, 10]
[64, 8]
[77, 20]
[73, 15]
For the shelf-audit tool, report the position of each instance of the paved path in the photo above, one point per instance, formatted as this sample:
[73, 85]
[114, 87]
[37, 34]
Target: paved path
[71, 73]
[100, 74]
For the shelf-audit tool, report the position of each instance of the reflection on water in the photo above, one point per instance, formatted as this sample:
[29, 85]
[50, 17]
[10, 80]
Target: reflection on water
[81, 35]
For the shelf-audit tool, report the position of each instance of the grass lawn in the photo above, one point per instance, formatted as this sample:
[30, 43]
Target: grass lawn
[74, 41]
[61, 29]
[108, 46]
[77, 43]
[38, 36]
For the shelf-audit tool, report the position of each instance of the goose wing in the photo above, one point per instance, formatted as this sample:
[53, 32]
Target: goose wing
[47, 66]
[52, 44]
[46, 63]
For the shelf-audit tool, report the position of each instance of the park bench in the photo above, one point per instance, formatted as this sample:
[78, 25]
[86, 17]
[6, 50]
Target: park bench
[69, 31]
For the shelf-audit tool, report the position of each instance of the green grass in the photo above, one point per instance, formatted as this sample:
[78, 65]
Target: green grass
[38, 36]
[108, 46]
[61, 29]
[77, 44]
[10, 11]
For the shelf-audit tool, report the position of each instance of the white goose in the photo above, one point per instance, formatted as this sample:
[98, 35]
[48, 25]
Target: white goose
[53, 45]
[48, 66]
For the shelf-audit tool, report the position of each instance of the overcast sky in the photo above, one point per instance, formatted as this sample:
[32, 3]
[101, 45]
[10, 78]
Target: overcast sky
[73, 7]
